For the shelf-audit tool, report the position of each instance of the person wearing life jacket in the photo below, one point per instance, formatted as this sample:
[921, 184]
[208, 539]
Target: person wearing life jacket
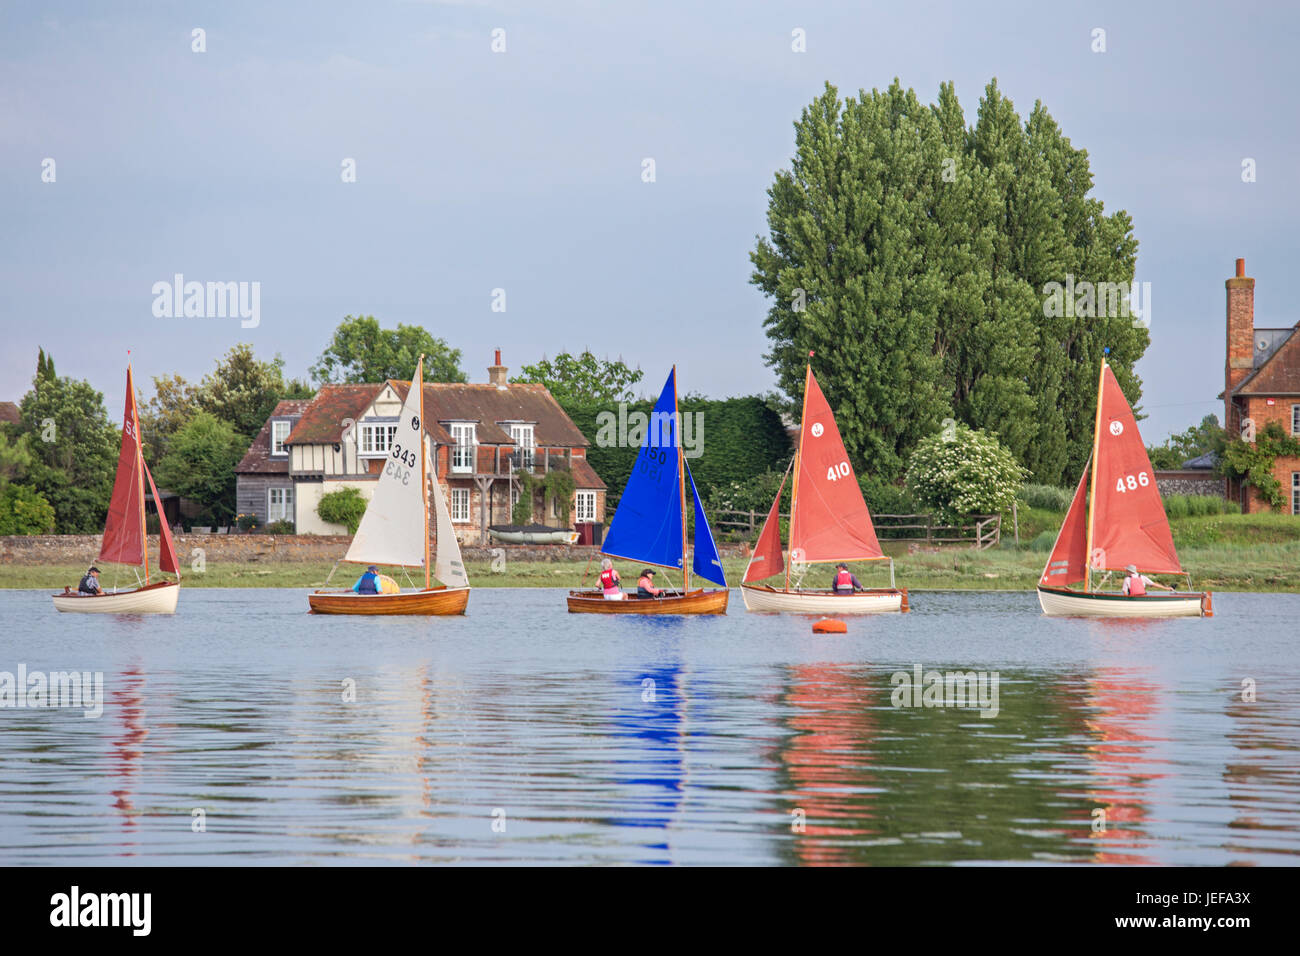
[845, 581]
[90, 583]
[645, 585]
[609, 581]
[1135, 585]
[368, 583]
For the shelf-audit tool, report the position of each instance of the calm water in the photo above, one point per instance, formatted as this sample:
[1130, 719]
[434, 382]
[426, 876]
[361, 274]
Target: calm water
[547, 727]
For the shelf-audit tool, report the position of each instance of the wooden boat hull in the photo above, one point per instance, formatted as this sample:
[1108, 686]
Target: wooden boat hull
[692, 602]
[873, 601]
[535, 537]
[1066, 602]
[157, 598]
[430, 601]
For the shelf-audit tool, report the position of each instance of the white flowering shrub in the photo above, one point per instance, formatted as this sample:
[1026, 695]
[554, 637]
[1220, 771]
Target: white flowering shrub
[968, 474]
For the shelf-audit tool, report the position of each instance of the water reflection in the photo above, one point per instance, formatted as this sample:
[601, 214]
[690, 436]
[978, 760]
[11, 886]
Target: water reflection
[127, 698]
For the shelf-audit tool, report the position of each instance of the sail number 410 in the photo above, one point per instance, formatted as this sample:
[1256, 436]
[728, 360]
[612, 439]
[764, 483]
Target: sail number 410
[836, 472]
[1131, 483]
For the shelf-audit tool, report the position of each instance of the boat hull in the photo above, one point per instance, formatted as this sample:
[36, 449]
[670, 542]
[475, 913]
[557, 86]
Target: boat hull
[430, 601]
[1065, 602]
[692, 602]
[535, 537]
[873, 601]
[157, 598]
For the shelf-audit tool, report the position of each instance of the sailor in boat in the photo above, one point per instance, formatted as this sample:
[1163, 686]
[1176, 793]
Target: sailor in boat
[645, 585]
[90, 583]
[845, 581]
[609, 581]
[368, 583]
[1135, 585]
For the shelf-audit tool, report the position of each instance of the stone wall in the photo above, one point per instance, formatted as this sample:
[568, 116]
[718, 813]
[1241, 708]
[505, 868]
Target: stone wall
[1189, 483]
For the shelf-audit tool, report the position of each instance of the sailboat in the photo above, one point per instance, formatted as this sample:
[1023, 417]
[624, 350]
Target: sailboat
[829, 524]
[395, 528]
[650, 524]
[1116, 518]
[124, 534]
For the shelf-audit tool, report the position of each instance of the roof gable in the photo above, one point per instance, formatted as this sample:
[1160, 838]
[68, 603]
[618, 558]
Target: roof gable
[1278, 375]
[258, 459]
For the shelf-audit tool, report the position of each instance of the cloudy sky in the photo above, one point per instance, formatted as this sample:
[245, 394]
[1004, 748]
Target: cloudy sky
[521, 170]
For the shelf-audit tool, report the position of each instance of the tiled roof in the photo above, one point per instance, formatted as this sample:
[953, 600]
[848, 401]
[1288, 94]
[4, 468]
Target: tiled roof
[9, 413]
[322, 419]
[584, 476]
[258, 460]
[1278, 375]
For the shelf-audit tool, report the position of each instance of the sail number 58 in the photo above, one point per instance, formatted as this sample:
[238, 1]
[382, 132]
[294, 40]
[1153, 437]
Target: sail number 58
[1132, 483]
[836, 472]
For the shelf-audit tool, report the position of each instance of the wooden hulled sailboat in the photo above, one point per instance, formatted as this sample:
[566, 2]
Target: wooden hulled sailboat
[650, 524]
[829, 524]
[394, 530]
[124, 534]
[1116, 518]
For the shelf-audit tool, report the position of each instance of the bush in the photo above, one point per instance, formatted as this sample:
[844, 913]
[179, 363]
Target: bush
[345, 507]
[884, 498]
[1176, 506]
[200, 465]
[247, 522]
[283, 526]
[752, 494]
[966, 473]
[1047, 497]
[1232, 507]
[24, 510]
[1043, 542]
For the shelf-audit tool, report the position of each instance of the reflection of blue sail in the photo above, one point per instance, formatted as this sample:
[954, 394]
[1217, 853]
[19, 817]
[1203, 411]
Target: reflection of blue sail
[648, 523]
[707, 563]
[652, 775]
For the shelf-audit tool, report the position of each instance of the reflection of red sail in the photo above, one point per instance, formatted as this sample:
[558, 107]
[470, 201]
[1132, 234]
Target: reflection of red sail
[829, 520]
[127, 747]
[1068, 561]
[124, 531]
[834, 727]
[1128, 519]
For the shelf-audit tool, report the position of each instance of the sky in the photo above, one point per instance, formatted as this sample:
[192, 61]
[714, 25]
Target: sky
[522, 170]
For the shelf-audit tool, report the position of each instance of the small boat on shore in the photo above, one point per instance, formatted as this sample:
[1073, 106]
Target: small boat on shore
[829, 524]
[394, 530]
[125, 541]
[1116, 519]
[649, 526]
[532, 534]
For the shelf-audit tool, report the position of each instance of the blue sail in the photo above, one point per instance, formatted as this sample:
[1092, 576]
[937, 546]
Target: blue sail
[648, 523]
[707, 563]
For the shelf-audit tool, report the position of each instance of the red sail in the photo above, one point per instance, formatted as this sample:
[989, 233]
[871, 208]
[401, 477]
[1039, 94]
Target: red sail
[767, 559]
[829, 520]
[166, 547]
[124, 530]
[1068, 560]
[1128, 518]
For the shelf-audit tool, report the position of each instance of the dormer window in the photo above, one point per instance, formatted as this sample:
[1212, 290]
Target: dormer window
[279, 432]
[522, 436]
[377, 438]
[464, 434]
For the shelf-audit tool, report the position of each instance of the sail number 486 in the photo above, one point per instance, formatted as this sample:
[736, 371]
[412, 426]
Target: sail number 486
[836, 472]
[1131, 483]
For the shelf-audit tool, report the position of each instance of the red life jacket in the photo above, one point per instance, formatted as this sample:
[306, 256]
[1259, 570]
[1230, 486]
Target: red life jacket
[607, 580]
[1136, 586]
[843, 581]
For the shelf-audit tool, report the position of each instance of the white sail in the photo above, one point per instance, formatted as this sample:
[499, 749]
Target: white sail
[447, 564]
[393, 528]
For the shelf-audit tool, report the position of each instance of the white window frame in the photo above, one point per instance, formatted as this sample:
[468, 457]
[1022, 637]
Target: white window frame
[1295, 492]
[284, 506]
[525, 443]
[464, 447]
[460, 505]
[277, 440]
[376, 439]
[584, 511]
[1295, 420]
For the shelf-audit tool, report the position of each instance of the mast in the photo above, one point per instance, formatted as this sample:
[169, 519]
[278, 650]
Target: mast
[681, 481]
[139, 467]
[1092, 480]
[424, 478]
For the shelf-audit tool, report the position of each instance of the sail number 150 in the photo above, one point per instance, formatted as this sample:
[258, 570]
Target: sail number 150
[836, 472]
[1131, 483]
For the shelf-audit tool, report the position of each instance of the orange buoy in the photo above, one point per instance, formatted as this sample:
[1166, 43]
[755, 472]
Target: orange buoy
[828, 626]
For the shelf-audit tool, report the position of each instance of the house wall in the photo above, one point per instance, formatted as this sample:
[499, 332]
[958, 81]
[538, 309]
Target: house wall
[307, 495]
[251, 493]
[1261, 413]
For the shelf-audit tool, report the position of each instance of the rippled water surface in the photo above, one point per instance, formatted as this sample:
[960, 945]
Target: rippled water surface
[521, 733]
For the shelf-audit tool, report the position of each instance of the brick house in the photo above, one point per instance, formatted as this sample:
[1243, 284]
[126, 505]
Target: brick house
[262, 483]
[480, 435]
[1262, 385]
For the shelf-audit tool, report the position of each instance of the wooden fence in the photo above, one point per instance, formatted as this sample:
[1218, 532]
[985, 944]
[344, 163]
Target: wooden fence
[984, 531]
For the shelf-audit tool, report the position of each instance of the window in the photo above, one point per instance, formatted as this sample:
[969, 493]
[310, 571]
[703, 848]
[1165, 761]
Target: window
[1295, 419]
[522, 436]
[279, 432]
[460, 505]
[586, 510]
[555, 506]
[279, 504]
[1295, 492]
[462, 455]
[376, 440]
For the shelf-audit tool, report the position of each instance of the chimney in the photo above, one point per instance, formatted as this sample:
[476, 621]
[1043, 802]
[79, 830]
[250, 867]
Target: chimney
[1241, 336]
[497, 372]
